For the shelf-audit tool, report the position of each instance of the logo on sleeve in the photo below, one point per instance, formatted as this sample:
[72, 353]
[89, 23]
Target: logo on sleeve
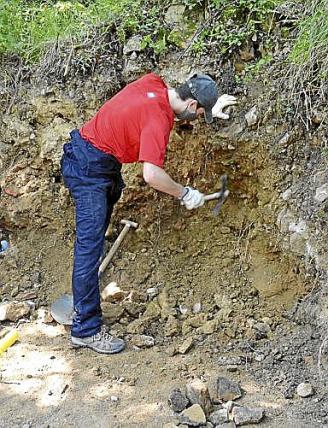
[151, 95]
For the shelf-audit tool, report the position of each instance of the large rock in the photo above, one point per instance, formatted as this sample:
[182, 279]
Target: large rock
[227, 390]
[178, 400]
[13, 311]
[197, 392]
[246, 415]
[219, 417]
[194, 416]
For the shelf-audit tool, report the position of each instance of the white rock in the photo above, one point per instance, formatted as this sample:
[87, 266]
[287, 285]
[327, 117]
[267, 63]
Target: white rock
[286, 195]
[321, 193]
[112, 293]
[197, 308]
[252, 116]
[305, 390]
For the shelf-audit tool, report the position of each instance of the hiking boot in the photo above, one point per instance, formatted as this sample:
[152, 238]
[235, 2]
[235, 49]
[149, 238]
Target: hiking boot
[101, 342]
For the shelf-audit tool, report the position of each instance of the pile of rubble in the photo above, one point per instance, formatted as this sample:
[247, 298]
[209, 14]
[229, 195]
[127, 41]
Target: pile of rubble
[194, 406]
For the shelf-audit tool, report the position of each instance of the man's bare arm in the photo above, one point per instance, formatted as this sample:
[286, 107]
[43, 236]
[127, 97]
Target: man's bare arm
[157, 178]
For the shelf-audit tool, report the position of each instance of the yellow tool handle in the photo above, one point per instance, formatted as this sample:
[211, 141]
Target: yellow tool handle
[8, 340]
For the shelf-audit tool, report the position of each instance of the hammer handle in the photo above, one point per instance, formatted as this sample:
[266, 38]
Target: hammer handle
[212, 196]
[113, 250]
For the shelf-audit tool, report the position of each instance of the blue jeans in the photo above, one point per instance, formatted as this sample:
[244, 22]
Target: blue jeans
[95, 183]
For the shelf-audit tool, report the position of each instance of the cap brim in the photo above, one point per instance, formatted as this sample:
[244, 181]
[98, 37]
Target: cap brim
[208, 116]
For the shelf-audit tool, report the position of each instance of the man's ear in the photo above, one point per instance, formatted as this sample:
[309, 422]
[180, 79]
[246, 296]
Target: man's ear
[193, 103]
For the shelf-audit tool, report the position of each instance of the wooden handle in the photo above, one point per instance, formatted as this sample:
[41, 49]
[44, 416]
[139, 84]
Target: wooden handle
[212, 196]
[216, 195]
[113, 250]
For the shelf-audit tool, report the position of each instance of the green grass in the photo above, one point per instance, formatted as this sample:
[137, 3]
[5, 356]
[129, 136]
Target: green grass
[26, 26]
[312, 41]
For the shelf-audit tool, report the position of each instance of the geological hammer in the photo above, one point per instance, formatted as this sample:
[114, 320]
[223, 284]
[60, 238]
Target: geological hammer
[221, 196]
[127, 226]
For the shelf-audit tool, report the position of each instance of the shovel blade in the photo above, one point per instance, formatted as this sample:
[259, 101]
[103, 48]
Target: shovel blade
[62, 309]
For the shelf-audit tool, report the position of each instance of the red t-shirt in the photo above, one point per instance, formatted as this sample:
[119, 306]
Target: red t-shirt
[135, 124]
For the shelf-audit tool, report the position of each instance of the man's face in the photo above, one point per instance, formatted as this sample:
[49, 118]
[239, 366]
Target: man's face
[189, 110]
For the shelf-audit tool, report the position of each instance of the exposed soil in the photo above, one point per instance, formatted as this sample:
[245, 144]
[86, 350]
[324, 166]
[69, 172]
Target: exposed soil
[245, 289]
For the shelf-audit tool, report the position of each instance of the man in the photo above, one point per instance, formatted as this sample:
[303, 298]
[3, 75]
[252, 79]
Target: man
[133, 126]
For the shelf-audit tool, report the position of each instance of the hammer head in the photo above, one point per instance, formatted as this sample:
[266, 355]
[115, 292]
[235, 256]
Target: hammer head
[224, 194]
[129, 223]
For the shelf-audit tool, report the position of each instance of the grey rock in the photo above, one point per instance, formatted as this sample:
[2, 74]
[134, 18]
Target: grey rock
[134, 44]
[197, 308]
[305, 390]
[219, 417]
[246, 415]
[178, 400]
[174, 14]
[193, 416]
[252, 116]
[197, 393]
[229, 361]
[227, 390]
[321, 193]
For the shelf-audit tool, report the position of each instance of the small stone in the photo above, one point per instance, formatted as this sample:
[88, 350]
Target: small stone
[114, 398]
[193, 416]
[13, 311]
[286, 195]
[321, 193]
[251, 116]
[134, 44]
[152, 292]
[305, 390]
[186, 345]
[246, 415]
[142, 341]
[44, 316]
[219, 417]
[259, 357]
[197, 308]
[227, 390]
[170, 425]
[178, 400]
[197, 392]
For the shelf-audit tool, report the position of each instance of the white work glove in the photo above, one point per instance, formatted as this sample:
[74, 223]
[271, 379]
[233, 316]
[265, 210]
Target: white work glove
[192, 198]
[223, 102]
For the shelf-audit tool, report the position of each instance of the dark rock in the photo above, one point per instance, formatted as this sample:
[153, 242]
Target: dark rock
[227, 390]
[246, 415]
[178, 400]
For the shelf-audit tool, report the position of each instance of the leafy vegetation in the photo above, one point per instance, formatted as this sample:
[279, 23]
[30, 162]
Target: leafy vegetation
[308, 69]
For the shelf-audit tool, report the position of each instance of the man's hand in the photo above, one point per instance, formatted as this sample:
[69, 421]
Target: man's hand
[223, 102]
[192, 198]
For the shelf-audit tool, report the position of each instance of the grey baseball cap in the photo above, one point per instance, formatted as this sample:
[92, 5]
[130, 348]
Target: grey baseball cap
[204, 90]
